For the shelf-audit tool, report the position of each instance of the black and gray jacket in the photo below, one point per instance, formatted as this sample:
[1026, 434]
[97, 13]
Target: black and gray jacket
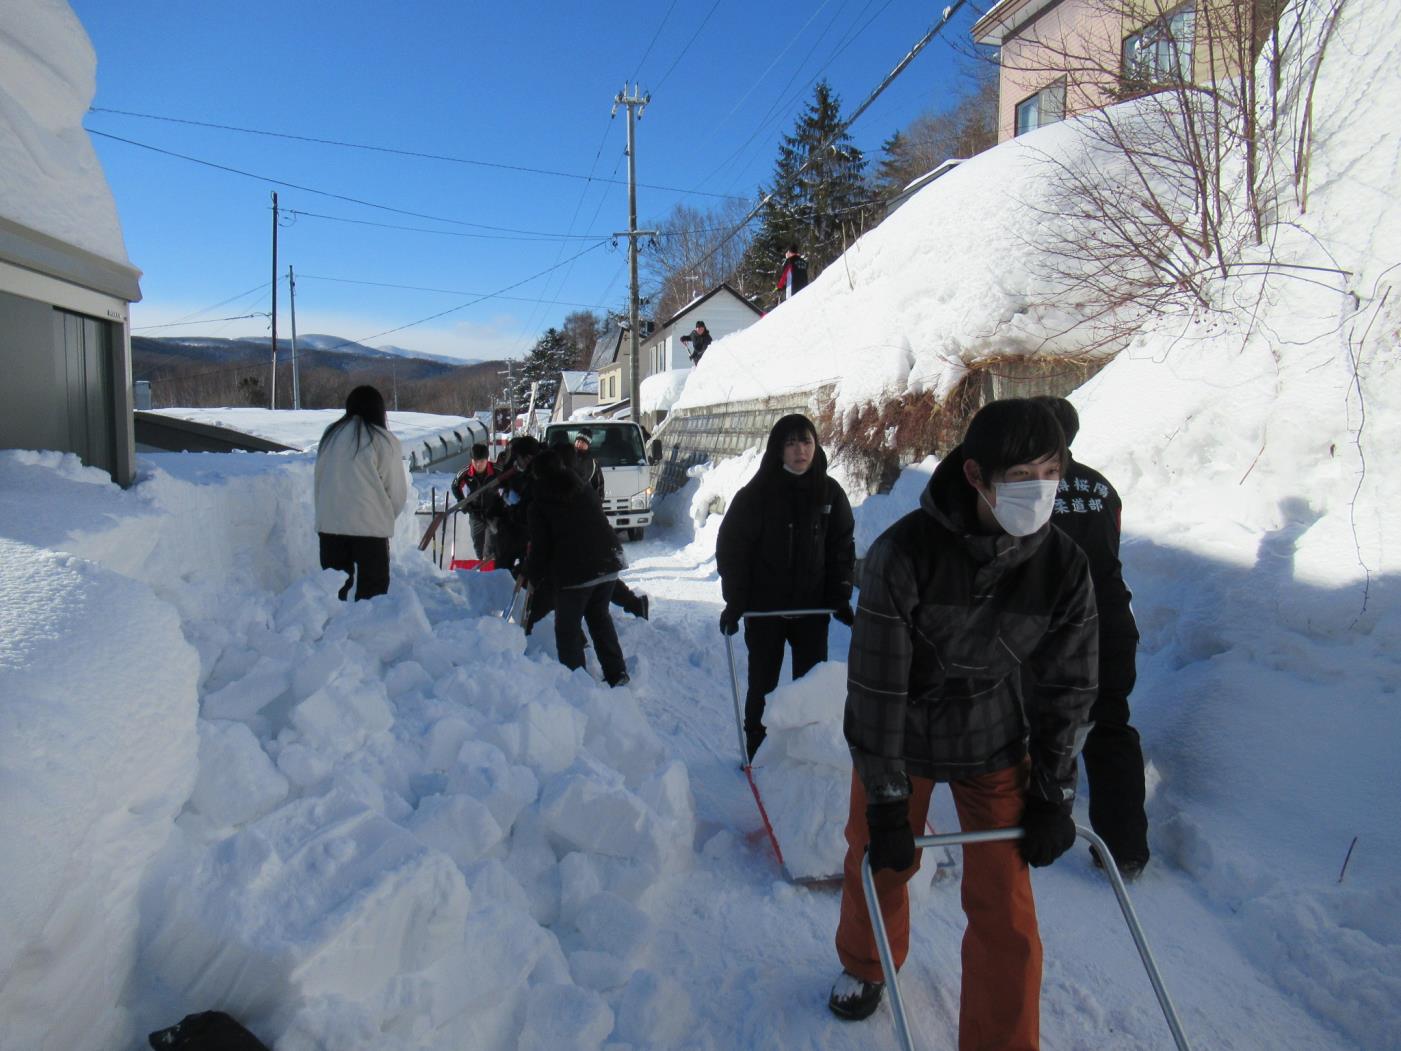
[571, 540]
[947, 617]
[787, 541]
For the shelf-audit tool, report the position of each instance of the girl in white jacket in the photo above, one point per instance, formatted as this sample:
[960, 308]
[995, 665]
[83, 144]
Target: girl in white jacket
[360, 489]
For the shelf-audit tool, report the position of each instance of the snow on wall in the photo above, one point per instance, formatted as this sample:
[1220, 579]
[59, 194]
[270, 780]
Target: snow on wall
[53, 180]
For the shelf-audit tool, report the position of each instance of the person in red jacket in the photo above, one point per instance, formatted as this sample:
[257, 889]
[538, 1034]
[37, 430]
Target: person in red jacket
[472, 477]
[793, 275]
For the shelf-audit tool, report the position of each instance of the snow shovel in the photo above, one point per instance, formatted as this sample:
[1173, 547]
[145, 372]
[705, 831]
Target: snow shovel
[887, 961]
[506, 613]
[744, 763]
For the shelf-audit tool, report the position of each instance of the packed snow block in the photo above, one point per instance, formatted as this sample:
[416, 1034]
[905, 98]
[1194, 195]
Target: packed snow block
[237, 781]
[544, 735]
[322, 897]
[387, 628]
[246, 696]
[483, 772]
[407, 677]
[459, 826]
[98, 749]
[619, 734]
[589, 809]
[342, 715]
[564, 1016]
[803, 772]
[532, 860]
[610, 924]
[303, 610]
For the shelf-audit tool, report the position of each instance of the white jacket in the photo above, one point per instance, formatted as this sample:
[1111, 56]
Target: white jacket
[360, 493]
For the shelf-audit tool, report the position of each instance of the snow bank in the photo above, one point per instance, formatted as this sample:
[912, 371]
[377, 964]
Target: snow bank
[53, 181]
[385, 804]
[98, 753]
[660, 391]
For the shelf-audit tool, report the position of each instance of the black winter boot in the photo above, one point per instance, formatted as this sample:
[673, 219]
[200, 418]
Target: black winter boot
[853, 999]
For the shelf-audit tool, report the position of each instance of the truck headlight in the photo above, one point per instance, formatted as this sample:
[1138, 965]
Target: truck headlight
[641, 501]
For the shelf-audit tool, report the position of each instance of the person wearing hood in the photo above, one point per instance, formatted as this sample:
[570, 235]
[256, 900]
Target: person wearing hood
[575, 554]
[360, 488]
[958, 597]
[510, 507]
[786, 542]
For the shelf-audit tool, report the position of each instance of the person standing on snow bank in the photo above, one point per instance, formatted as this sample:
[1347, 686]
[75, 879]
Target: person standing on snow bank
[472, 477]
[957, 597]
[698, 339]
[786, 542]
[793, 275]
[575, 554]
[360, 488]
[1088, 510]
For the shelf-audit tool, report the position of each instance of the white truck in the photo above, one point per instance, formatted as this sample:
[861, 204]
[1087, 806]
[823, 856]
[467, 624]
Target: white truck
[618, 449]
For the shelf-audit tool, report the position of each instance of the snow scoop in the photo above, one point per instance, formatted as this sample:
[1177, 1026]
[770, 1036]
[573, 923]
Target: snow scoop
[441, 516]
[887, 961]
[506, 613]
[483, 565]
[744, 763]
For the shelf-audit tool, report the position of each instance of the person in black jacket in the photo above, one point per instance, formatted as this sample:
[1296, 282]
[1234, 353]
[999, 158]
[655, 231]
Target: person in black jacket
[576, 554]
[786, 542]
[1088, 509]
[585, 466]
[697, 339]
[793, 275]
[509, 508]
[956, 598]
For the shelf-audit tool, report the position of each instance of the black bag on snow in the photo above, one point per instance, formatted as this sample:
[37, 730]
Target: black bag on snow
[206, 1031]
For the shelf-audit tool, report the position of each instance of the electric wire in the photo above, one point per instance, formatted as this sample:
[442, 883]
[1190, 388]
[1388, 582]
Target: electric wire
[417, 154]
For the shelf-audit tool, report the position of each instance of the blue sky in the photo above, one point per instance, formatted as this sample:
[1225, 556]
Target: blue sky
[525, 86]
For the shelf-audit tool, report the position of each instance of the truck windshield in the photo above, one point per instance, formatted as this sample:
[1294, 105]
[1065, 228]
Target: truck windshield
[612, 445]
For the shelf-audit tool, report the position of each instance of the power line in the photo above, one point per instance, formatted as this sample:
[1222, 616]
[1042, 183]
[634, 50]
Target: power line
[445, 233]
[444, 291]
[203, 321]
[320, 193]
[418, 154]
[686, 50]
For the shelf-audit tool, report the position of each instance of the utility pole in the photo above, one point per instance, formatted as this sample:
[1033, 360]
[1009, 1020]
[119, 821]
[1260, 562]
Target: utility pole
[272, 387]
[296, 362]
[635, 103]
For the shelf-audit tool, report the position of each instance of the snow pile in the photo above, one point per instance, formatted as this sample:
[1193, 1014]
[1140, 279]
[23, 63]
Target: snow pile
[954, 277]
[803, 771]
[398, 820]
[660, 391]
[97, 749]
[53, 181]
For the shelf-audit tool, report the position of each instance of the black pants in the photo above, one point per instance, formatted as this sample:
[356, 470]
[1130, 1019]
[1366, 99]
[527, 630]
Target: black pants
[479, 534]
[1114, 771]
[542, 603]
[363, 557]
[589, 605]
[765, 637]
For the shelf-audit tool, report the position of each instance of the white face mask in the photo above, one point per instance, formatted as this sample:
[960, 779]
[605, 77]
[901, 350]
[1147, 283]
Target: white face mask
[1023, 507]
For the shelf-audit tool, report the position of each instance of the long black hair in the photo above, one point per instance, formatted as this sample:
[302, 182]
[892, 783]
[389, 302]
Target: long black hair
[364, 407]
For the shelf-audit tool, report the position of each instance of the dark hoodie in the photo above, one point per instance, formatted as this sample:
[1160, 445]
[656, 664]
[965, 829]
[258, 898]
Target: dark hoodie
[786, 541]
[949, 615]
[571, 541]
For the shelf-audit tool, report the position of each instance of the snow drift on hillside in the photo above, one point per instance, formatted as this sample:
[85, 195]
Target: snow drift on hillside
[53, 181]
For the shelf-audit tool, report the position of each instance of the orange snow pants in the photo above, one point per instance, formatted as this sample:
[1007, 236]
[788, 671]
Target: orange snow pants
[1000, 1003]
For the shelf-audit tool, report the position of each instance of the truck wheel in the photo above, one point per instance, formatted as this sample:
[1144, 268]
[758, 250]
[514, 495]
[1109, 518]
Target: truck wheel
[635, 532]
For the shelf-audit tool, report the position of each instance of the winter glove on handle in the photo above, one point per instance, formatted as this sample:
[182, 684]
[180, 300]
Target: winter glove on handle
[729, 620]
[845, 614]
[1048, 831]
[892, 839]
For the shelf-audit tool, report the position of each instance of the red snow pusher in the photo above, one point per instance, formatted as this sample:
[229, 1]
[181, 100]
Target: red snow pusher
[887, 961]
[744, 763]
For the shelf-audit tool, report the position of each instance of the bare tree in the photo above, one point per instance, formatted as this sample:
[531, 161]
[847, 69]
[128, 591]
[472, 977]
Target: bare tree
[685, 261]
[1164, 193]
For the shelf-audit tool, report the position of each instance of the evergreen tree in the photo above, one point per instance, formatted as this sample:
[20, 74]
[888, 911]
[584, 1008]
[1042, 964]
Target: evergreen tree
[552, 354]
[819, 198]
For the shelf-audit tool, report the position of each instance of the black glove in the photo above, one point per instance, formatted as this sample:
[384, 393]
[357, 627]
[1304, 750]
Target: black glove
[729, 620]
[892, 839]
[1049, 831]
[845, 614]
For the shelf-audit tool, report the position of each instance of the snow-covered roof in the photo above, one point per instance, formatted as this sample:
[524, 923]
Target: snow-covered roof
[53, 182]
[724, 286]
[302, 428]
[659, 391]
[579, 382]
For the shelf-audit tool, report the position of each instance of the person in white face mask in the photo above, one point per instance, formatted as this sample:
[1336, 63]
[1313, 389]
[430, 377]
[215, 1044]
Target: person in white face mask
[956, 598]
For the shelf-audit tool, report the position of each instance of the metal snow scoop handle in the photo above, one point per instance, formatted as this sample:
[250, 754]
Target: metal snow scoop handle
[887, 962]
[734, 679]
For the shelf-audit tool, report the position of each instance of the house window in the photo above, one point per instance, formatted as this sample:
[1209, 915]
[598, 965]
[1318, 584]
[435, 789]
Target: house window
[1045, 107]
[1161, 52]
